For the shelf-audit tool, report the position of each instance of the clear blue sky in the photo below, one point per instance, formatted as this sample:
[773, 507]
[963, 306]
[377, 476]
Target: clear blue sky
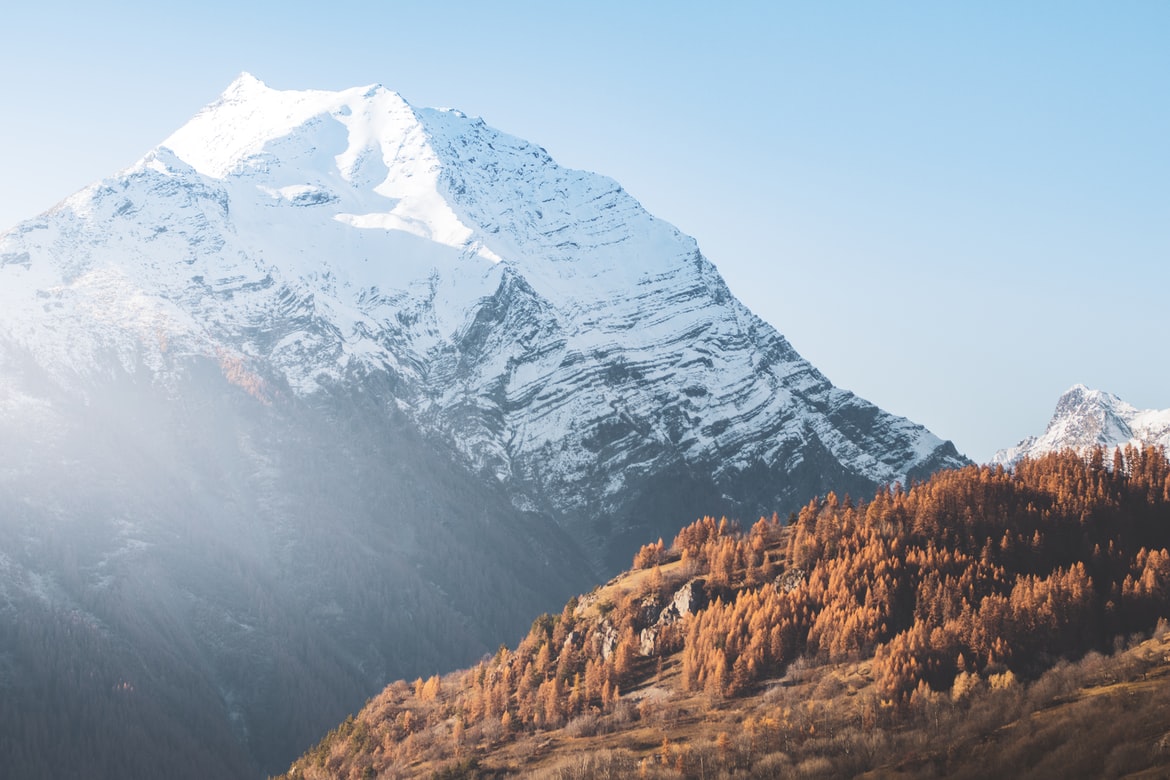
[955, 210]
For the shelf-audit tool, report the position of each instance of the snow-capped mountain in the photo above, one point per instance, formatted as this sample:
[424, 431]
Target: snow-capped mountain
[563, 339]
[1087, 418]
[328, 390]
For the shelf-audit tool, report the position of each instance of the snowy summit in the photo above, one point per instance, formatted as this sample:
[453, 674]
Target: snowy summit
[536, 319]
[1086, 418]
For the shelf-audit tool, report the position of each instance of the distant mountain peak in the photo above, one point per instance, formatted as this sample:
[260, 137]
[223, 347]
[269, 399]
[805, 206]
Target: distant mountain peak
[1084, 418]
[244, 83]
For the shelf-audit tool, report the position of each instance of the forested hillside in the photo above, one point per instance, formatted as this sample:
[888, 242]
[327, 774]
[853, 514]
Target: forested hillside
[900, 632]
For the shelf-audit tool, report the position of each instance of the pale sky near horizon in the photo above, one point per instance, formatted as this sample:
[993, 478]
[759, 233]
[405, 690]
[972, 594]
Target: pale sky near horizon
[955, 211]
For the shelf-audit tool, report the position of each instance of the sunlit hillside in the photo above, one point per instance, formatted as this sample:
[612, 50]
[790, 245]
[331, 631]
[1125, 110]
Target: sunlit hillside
[984, 621]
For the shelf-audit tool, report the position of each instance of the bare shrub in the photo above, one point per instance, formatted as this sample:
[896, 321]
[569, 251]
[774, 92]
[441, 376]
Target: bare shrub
[1093, 667]
[1054, 683]
[591, 766]
[490, 731]
[817, 766]
[830, 687]
[772, 765]
[856, 751]
[583, 725]
[799, 668]
[624, 712]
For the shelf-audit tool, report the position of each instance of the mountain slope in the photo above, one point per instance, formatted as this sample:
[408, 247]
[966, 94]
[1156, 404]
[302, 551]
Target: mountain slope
[251, 572]
[327, 390]
[537, 319]
[951, 629]
[1087, 418]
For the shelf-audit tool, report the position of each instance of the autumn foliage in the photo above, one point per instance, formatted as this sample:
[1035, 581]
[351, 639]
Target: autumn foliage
[981, 570]
[973, 578]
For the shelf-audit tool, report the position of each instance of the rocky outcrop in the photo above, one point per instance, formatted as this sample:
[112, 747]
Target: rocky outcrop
[687, 600]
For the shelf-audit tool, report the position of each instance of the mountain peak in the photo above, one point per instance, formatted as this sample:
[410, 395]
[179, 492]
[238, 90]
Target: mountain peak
[534, 317]
[224, 137]
[1085, 417]
[244, 84]
[1076, 392]
[1084, 403]
[1080, 393]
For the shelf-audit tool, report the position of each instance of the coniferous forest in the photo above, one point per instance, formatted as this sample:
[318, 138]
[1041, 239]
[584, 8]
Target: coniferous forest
[984, 620]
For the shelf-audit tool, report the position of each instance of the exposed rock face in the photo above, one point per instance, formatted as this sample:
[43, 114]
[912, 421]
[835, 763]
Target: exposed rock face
[790, 580]
[687, 600]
